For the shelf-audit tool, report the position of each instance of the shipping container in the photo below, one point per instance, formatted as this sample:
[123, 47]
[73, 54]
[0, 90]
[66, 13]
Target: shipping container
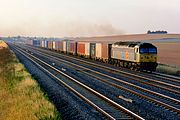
[67, 46]
[46, 44]
[36, 43]
[56, 45]
[93, 50]
[53, 45]
[64, 46]
[81, 48]
[87, 49]
[29, 42]
[102, 51]
[42, 43]
[50, 44]
[98, 50]
[60, 45]
[105, 52]
[73, 47]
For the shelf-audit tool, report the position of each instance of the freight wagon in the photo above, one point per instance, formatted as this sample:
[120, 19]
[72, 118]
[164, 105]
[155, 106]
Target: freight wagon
[83, 49]
[37, 43]
[53, 45]
[96, 51]
[43, 43]
[50, 45]
[29, 42]
[46, 44]
[58, 45]
[70, 47]
[101, 52]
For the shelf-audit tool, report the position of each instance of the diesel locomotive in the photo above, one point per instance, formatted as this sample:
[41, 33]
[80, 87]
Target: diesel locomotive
[134, 55]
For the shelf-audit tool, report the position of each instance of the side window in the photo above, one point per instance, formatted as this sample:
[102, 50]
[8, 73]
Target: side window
[136, 50]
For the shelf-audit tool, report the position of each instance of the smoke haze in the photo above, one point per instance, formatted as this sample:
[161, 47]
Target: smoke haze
[74, 18]
[61, 29]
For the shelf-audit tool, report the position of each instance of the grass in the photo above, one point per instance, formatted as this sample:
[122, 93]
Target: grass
[21, 97]
[3, 44]
[168, 69]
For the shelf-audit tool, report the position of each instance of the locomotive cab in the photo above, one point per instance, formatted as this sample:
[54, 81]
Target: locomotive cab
[134, 55]
[147, 56]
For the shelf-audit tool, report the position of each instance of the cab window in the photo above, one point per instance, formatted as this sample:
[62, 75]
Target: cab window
[152, 50]
[143, 50]
[148, 50]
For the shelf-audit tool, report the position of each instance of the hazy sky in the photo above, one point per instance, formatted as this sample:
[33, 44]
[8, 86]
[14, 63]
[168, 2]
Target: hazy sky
[87, 17]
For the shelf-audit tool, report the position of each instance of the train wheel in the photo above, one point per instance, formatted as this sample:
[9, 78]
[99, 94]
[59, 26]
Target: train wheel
[132, 68]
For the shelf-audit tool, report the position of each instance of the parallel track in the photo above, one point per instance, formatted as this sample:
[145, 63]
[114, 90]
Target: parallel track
[99, 97]
[168, 77]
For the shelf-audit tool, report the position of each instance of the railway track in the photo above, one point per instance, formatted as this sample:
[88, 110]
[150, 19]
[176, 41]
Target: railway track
[142, 79]
[118, 86]
[112, 110]
[175, 80]
[168, 77]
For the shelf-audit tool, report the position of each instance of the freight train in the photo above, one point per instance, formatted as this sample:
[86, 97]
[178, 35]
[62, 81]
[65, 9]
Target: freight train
[137, 56]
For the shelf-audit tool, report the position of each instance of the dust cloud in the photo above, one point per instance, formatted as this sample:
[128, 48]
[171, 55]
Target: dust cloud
[61, 29]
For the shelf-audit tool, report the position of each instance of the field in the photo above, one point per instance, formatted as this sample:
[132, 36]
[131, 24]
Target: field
[169, 53]
[133, 37]
[21, 98]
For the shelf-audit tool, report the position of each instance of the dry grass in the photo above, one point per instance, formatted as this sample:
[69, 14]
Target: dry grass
[21, 97]
[167, 69]
[169, 53]
[3, 44]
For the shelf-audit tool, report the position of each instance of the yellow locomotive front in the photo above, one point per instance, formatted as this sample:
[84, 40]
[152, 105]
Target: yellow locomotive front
[147, 57]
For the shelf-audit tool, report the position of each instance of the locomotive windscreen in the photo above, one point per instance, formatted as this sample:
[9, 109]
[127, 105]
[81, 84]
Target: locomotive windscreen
[148, 48]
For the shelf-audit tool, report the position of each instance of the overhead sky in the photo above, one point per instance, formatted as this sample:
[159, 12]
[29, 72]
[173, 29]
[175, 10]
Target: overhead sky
[60, 18]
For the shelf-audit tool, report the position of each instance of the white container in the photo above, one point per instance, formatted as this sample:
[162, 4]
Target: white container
[64, 46]
[42, 43]
[98, 50]
[54, 45]
[45, 43]
[87, 49]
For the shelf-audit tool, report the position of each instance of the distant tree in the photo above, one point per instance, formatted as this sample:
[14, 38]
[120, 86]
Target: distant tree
[148, 32]
[157, 32]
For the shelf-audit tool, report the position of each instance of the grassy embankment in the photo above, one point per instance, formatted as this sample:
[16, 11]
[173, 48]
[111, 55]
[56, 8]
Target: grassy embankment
[20, 96]
[168, 69]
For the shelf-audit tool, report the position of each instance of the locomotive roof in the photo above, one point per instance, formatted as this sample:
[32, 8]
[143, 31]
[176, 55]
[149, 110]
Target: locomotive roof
[132, 44]
[129, 44]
